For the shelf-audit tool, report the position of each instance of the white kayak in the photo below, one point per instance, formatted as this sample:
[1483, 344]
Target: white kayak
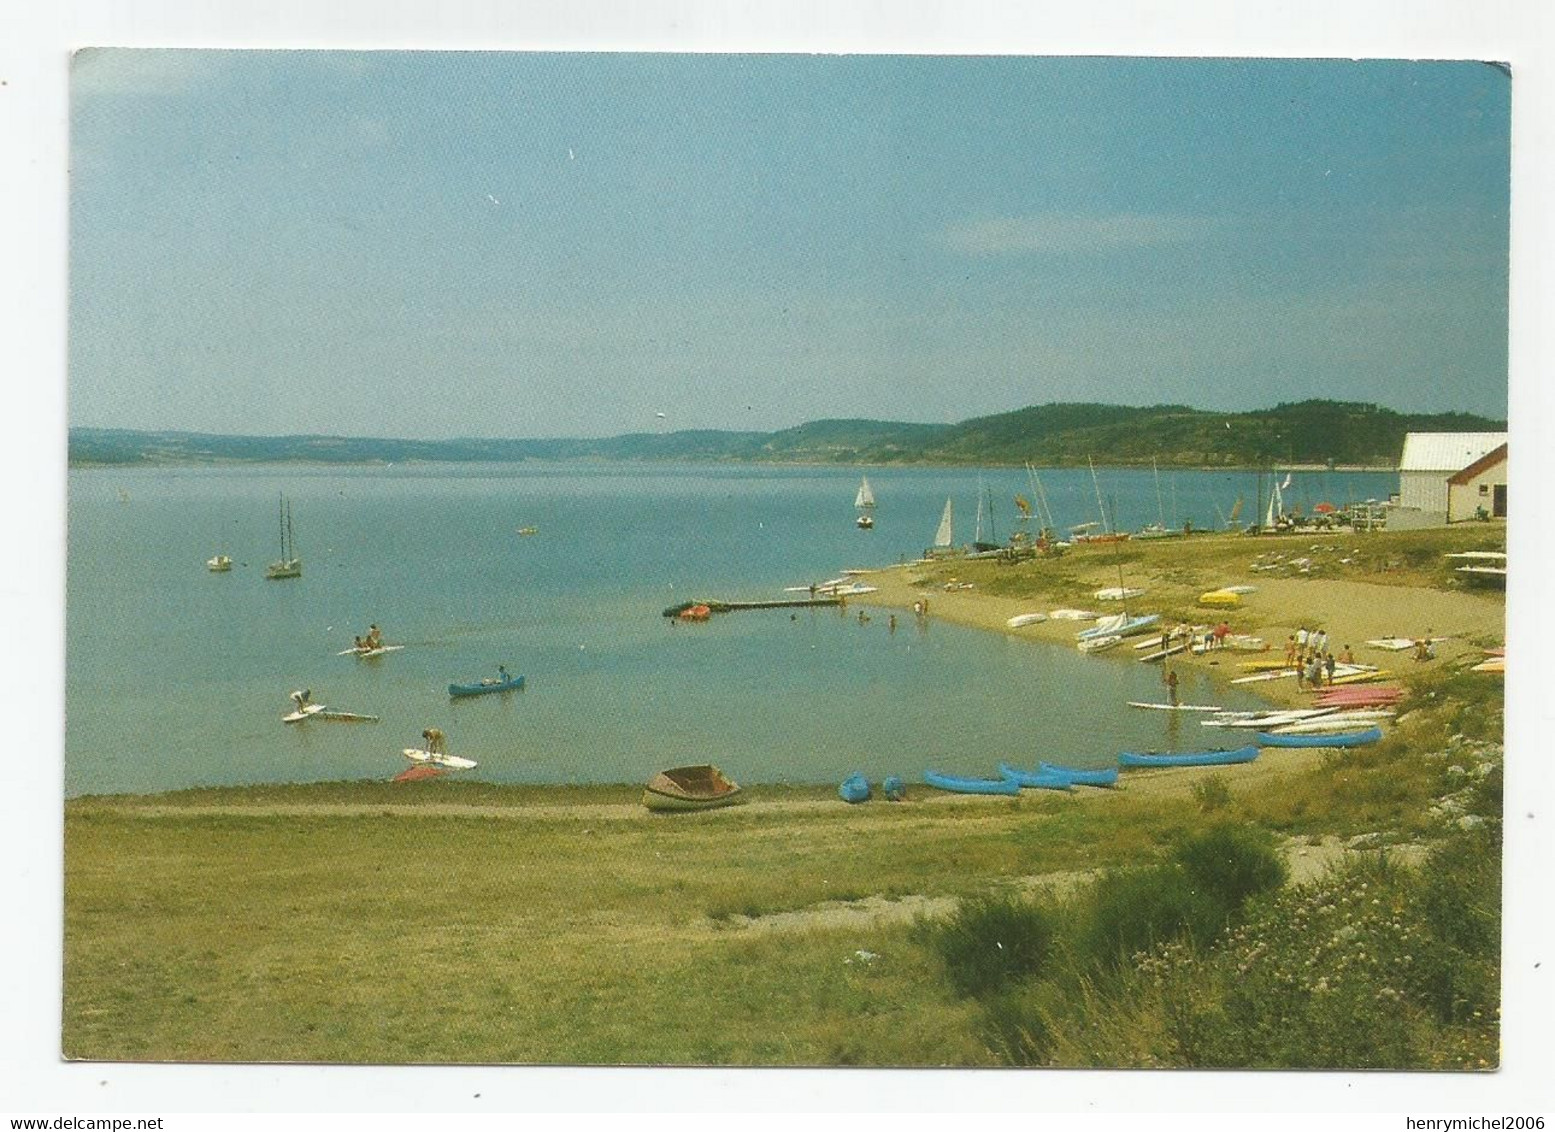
[1116, 593]
[1349, 721]
[456, 761]
[1174, 707]
[1162, 654]
[369, 653]
[303, 713]
[1074, 615]
[1096, 644]
[1022, 619]
[1238, 589]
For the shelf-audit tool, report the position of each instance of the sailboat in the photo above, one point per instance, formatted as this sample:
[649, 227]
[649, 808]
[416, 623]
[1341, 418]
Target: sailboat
[943, 546]
[981, 545]
[865, 502]
[1158, 529]
[289, 566]
[219, 564]
[1276, 511]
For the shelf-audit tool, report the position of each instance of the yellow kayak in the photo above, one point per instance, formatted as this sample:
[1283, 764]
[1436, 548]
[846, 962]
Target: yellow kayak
[1220, 597]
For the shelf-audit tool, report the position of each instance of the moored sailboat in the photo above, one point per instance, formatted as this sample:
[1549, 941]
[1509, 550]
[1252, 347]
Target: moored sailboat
[289, 565]
[865, 503]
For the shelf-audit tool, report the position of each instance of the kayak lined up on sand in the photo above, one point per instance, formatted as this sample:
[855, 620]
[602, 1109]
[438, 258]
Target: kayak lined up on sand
[1105, 776]
[1173, 707]
[1036, 779]
[956, 784]
[1221, 757]
[1350, 739]
[854, 788]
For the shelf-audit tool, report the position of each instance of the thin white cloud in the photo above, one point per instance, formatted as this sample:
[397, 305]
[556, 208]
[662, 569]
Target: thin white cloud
[1050, 233]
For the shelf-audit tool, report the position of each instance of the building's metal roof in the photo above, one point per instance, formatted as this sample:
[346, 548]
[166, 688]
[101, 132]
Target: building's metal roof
[1446, 451]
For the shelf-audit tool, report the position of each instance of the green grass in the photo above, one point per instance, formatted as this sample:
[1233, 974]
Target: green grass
[504, 926]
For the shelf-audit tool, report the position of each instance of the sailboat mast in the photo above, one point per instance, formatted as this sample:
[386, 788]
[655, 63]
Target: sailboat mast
[1097, 485]
[1159, 507]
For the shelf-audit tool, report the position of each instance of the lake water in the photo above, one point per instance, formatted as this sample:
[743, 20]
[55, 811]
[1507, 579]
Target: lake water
[178, 677]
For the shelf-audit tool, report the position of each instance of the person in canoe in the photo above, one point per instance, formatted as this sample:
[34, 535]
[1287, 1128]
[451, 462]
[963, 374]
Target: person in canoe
[303, 698]
[433, 737]
[500, 678]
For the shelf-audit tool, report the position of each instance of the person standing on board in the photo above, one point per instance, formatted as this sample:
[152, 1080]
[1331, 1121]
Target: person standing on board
[433, 737]
[1171, 686]
[374, 637]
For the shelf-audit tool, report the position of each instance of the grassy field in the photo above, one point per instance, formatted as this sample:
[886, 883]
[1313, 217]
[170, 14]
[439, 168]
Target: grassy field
[456, 922]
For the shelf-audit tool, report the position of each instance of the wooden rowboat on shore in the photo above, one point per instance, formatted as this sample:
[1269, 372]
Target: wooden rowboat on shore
[703, 787]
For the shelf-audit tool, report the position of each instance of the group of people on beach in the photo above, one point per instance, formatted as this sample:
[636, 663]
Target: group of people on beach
[1307, 651]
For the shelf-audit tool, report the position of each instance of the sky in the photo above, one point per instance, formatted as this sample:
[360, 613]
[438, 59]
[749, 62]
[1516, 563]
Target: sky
[511, 244]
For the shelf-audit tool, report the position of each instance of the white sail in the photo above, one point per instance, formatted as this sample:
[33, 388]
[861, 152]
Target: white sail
[1276, 504]
[866, 497]
[942, 536]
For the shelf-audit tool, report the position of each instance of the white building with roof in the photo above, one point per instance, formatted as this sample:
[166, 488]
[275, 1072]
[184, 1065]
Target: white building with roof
[1430, 460]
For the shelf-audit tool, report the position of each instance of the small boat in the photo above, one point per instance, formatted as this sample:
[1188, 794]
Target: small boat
[854, 788]
[695, 613]
[1330, 724]
[1021, 620]
[1348, 739]
[1219, 757]
[490, 684]
[1074, 615]
[370, 653]
[703, 787]
[438, 758]
[943, 547]
[865, 502]
[1119, 625]
[1083, 777]
[1220, 597]
[528, 530]
[956, 784]
[1036, 779]
[220, 564]
[1259, 677]
[1116, 593]
[1096, 644]
[289, 565]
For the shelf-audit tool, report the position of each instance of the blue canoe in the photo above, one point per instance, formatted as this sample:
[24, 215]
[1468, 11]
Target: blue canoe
[1345, 739]
[1037, 780]
[854, 788]
[1192, 758]
[1106, 777]
[481, 688]
[958, 785]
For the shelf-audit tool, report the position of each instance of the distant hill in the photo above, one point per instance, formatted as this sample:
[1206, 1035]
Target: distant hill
[1308, 432]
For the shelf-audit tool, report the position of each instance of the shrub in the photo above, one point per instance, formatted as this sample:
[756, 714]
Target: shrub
[993, 941]
[1134, 911]
[1232, 863]
[1211, 793]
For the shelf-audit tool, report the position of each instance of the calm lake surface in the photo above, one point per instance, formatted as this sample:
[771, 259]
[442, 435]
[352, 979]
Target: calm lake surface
[178, 677]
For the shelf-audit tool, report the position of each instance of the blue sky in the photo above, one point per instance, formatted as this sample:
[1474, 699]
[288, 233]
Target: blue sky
[508, 244]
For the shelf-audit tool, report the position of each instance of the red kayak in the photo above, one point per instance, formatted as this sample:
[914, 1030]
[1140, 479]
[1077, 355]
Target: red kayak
[421, 770]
